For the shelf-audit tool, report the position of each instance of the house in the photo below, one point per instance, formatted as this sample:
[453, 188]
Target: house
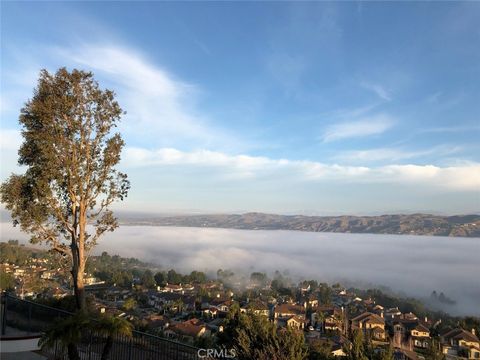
[409, 316]
[221, 300]
[188, 288]
[162, 300]
[371, 324]
[115, 293]
[420, 336]
[391, 313]
[211, 285]
[309, 301]
[420, 331]
[47, 275]
[458, 342]
[210, 311]
[290, 315]
[369, 303]
[19, 271]
[292, 321]
[342, 298]
[378, 309]
[157, 322]
[328, 317]
[410, 334]
[90, 280]
[224, 305]
[257, 307]
[187, 330]
[172, 288]
[284, 310]
[215, 325]
[338, 351]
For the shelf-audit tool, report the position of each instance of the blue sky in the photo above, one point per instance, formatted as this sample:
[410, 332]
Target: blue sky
[325, 108]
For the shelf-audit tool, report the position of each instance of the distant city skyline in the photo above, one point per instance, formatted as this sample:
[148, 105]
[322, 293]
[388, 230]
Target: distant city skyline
[280, 107]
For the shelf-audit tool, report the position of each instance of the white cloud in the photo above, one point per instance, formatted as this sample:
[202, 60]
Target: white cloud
[379, 90]
[160, 107]
[237, 166]
[373, 125]
[393, 154]
[465, 177]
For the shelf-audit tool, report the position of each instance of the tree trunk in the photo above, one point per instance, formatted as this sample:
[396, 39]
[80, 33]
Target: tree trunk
[80, 291]
[80, 247]
[73, 352]
[78, 267]
[107, 348]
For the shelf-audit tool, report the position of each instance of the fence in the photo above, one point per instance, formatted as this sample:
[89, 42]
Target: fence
[33, 318]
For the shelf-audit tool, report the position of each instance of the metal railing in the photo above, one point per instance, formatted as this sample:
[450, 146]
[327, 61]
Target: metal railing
[33, 318]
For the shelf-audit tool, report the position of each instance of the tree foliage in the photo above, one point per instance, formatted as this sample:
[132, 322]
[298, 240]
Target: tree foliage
[7, 281]
[147, 279]
[110, 327]
[129, 304]
[433, 351]
[160, 278]
[258, 279]
[70, 157]
[254, 337]
[66, 333]
[357, 350]
[173, 277]
[320, 350]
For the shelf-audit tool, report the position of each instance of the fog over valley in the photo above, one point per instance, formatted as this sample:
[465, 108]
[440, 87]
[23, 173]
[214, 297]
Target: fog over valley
[413, 265]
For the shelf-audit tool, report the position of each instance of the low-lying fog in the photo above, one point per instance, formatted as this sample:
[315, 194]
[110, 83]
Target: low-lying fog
[415, 265]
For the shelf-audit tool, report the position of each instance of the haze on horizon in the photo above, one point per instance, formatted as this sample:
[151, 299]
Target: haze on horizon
[361, 260]
[298, 108]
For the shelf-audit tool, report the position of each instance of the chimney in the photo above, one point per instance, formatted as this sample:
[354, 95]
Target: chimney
[473, 331]
[426, 319]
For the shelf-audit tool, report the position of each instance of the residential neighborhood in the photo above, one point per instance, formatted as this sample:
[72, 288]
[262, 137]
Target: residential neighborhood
[195, 309]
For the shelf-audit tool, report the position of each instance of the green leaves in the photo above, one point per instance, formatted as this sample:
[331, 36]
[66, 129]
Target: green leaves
[70, 156]
[65, 331]
[111, 326]
[254, 337]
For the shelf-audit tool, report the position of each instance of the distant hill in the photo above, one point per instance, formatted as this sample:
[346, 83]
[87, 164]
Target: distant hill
[413, 224]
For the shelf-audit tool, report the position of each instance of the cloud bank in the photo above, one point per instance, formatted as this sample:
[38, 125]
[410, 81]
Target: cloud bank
[438, 263]
[461, 178]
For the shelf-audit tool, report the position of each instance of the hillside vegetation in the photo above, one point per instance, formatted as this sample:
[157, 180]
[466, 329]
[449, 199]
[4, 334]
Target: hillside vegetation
[414, 224]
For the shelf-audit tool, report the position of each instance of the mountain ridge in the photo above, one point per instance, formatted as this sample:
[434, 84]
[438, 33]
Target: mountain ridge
[412, 224]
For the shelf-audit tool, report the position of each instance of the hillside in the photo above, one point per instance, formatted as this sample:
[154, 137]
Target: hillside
[414, 224]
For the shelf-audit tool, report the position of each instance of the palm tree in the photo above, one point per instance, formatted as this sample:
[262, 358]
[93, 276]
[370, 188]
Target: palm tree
[321, 319]
[67, 333]
[111, 326]
[179, 305]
